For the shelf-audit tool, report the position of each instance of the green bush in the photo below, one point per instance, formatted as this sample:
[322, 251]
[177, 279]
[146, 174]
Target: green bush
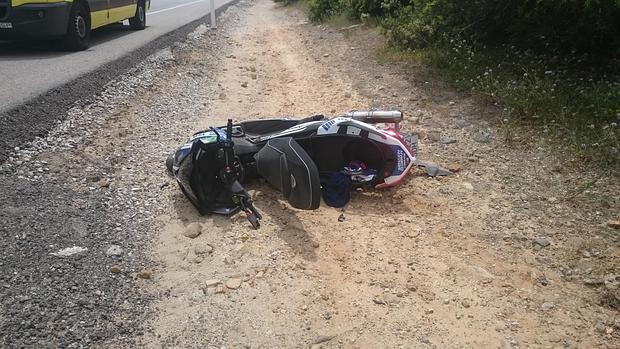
[323, 9]
[554, 63]
[576, 104]
[568, 25]
[370, 7]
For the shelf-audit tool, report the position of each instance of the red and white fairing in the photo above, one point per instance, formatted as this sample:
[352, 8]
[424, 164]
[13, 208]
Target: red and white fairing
[404, 158]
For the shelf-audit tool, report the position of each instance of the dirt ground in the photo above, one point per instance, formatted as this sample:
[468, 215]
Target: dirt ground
[513, 251]
[440, 263]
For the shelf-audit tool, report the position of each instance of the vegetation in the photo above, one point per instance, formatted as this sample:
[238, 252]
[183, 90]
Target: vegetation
[553, 63]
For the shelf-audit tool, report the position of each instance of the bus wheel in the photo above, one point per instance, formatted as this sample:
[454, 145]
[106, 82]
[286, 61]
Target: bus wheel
[138, 22]
[78, 31]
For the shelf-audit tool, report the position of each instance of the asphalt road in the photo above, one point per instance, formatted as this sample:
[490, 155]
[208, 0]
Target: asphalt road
[30, 69]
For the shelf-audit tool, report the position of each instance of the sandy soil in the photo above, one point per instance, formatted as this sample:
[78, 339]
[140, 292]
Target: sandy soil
[514, 250]
[446, 263]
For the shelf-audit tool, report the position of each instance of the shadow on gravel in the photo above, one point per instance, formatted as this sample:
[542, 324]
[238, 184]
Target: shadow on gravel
[187, 213]
[70, 301]
[381, 203]
[292, 231]
[46, 49]
[289, 227]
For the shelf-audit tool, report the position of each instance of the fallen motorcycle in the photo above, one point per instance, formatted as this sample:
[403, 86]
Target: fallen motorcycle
[301, 158]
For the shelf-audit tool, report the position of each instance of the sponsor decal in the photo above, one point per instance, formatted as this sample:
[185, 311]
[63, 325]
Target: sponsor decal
[402, 160]
[6, 25]
[328, 124]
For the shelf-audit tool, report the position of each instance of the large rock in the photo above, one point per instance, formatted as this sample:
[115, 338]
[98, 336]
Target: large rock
[200, 250]
[321, 339]
[233, 283]
[614, 223]
[213, 282]
[145, 274]
[465, 303]
[193, 230]
[433, 169]
[541, 241]
[547, 306]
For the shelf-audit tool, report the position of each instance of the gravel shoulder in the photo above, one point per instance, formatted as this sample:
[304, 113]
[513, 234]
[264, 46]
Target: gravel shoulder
[514, 250]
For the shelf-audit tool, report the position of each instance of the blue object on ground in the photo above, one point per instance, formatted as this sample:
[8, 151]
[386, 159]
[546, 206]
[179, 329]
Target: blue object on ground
[337, 191]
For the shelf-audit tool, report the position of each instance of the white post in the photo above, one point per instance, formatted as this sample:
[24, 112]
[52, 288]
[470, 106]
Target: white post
[212, 4]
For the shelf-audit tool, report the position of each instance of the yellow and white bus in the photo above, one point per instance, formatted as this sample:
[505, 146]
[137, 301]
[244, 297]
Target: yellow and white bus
[71, 20]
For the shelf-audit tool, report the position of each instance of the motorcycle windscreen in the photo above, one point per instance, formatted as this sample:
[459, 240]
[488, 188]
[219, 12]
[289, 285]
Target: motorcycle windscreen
[287, 167]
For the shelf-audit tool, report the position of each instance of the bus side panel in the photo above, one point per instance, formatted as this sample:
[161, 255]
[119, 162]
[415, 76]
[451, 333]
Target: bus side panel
[122, 9]
[16, 3]
[98, 19]
[98, 13]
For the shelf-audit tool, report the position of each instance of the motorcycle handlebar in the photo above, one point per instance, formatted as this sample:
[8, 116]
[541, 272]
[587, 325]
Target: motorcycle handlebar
[229, 126]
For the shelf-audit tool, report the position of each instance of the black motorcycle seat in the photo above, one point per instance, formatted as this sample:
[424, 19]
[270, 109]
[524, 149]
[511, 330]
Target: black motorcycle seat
[261, 128]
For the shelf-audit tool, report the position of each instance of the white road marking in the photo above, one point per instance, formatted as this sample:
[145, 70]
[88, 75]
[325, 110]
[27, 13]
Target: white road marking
[175, 7]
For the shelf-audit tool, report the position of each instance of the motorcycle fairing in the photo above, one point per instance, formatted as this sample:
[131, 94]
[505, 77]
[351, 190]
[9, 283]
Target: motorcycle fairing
[205, 137]
[398, 159]
[395, 147]
[197, 171]
[287, 167]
